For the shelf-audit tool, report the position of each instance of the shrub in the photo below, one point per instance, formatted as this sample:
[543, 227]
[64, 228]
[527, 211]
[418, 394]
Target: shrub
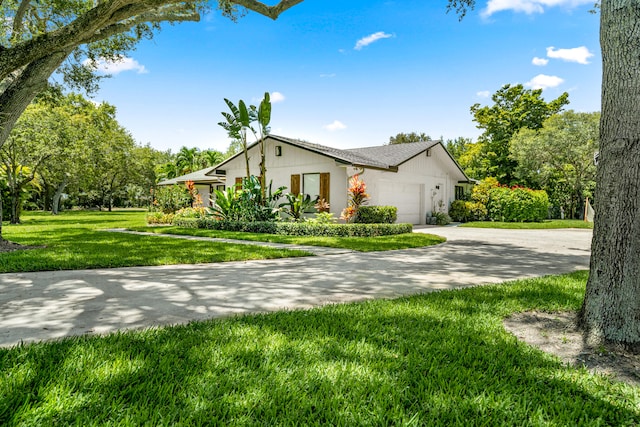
[322, 218]
[442, 218]
[376, 215]
[459, 211]
[157, 218]
[199, 212]
[170, 198]
[298, 228]
[517, 204]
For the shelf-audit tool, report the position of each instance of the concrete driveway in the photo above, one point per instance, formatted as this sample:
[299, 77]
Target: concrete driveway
[46, 305]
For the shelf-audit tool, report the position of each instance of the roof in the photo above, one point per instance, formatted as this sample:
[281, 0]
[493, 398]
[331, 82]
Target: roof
[385, 157]
[199, 176]
[395, 154]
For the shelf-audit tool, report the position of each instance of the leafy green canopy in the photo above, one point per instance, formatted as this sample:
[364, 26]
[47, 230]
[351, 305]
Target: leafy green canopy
[514, 108]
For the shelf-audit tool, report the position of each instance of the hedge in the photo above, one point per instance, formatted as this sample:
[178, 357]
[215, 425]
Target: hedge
[298, 228]
[517, 204]
[376, 215]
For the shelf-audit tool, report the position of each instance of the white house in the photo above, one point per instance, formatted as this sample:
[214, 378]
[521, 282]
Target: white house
[417, 178]
[204, 183]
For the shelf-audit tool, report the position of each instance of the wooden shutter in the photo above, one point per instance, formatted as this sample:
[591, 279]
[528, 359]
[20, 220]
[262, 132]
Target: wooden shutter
[239, 182]
[324, 186]
[295, 185]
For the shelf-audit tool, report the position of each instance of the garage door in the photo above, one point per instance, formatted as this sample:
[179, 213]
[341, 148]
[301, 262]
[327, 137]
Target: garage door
[406, 197]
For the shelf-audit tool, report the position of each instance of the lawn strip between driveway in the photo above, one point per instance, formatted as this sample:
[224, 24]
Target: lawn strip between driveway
[360, 244]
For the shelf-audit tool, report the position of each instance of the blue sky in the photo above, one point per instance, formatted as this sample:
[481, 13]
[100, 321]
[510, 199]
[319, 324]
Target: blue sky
[352, 73]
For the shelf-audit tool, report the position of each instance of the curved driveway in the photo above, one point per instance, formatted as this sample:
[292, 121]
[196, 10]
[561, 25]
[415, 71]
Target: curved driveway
[45, 305]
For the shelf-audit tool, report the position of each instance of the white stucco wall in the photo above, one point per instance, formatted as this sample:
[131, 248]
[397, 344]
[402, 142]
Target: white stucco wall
[413, 189]
[419, 178]
[293, 160]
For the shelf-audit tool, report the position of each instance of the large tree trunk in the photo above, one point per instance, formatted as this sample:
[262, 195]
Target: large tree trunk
[611, 308]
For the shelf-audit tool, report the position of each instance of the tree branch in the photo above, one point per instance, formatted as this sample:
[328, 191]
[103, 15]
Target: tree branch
[272, 12]
[17, 20]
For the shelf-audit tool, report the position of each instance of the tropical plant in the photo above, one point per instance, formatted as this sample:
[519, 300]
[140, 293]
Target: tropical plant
[297, 204]
[357, 196]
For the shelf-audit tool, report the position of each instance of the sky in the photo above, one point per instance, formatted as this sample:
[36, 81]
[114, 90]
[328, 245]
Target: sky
[352, 73]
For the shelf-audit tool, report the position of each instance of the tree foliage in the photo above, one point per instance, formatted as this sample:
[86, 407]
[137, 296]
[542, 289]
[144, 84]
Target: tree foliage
[403, 138]
[560, 156]
[514, 108]
[39, 37]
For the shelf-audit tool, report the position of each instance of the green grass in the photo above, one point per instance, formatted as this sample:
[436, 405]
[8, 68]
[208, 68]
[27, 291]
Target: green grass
[554, 223]
[437, 359]
[361, 244]
[73, 240]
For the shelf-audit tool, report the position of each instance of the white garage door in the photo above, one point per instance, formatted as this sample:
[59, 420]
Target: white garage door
[406, 197]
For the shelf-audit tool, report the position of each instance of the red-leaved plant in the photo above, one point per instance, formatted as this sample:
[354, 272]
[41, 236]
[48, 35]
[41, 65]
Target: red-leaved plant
[357, 196]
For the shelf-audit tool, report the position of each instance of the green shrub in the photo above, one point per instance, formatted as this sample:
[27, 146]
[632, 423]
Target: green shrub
[190, 213]
[376, 215]
[459, 211]
[157, 218]
[322, 218]
[170, 198]
[442, 218]
[298, 228]
[517, 204]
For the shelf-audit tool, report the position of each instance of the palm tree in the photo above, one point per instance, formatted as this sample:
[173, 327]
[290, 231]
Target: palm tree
[186, 160]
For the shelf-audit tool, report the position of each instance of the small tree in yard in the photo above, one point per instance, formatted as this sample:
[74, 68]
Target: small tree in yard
[357, 196]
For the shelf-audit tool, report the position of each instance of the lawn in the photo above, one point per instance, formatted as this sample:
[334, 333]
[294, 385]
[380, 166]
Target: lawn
[74, 240]
[361, 244]
[442, 358]
[549, 224]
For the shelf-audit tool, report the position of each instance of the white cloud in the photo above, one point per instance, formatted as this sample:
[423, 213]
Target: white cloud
[540, 62]
[336, 125]
[276, 97]
[577, 54]
[327, 75]
[366, 41]
[542, 81]
[529, 6]
[483, 94]
[117, 66]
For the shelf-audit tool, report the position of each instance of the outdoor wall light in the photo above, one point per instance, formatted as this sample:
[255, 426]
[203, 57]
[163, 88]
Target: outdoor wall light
[278, 150]
[429, 152]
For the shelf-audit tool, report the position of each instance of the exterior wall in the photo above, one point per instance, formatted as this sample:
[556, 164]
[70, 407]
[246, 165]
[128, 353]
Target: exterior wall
[427, 181]
[205, 193]
[293, 160]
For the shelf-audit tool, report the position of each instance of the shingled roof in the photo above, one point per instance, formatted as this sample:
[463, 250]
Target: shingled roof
[395, 154]
[197, 176]
[385, 157]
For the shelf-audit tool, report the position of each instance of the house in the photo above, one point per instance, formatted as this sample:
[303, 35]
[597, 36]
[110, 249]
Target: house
[204, 183]
[417, 178]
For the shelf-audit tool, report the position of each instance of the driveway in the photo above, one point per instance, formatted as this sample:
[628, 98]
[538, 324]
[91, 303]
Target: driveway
[46, 305]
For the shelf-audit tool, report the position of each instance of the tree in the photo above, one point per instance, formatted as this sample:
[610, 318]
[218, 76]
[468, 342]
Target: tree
[560, 154]
[39, 36]
[236, 125]
[610, 312]
[403, 138]
[514, 108]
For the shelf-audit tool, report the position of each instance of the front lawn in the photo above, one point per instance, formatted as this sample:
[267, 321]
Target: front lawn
[73, 240]
[438, 359]
[361, 244]
[549, 224]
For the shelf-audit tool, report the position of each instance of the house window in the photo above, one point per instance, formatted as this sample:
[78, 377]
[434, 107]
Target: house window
[459, 192]
[311, 185]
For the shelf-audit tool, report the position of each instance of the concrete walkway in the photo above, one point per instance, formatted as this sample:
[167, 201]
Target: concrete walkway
[46, 305]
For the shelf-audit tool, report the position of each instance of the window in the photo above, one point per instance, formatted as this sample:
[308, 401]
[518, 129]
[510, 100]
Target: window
[311, 185]
[459, 192]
